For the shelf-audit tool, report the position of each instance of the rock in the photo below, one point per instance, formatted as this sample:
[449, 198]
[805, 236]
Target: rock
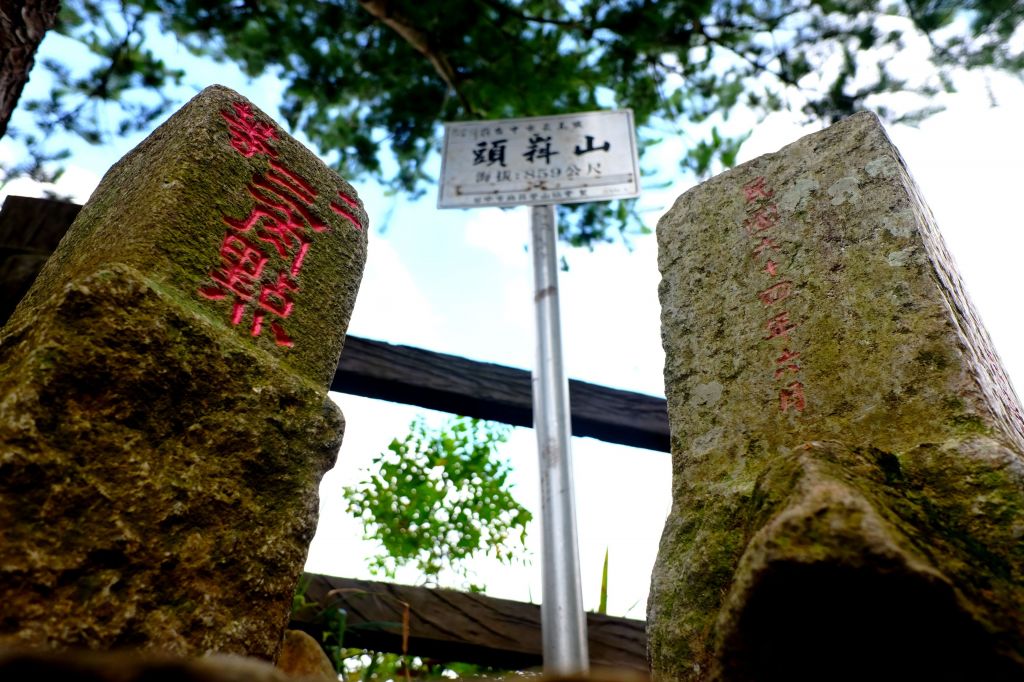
[164, 419]
[27, 665]
[847, 451]
[302, 656]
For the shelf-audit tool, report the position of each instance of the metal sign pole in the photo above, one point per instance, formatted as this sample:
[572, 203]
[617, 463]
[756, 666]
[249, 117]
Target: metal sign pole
[564, 629]
[541, 161]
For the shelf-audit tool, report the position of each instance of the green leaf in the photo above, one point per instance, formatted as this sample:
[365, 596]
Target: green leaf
[439, 497]
[602, 606]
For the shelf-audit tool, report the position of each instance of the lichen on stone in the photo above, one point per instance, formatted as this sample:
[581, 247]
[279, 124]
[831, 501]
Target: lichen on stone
[865, 440]
[160, 451]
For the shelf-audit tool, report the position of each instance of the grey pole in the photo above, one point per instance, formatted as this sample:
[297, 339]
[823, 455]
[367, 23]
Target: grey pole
[563, 627]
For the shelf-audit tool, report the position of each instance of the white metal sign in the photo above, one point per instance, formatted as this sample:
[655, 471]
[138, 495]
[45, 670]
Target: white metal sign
[565, 159]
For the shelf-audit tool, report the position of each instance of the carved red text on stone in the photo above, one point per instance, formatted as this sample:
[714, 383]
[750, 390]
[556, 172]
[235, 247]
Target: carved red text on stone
[757, 189]
[241, 265]
[282, 215]
[792, 396]
[763, 218]
[780, 325]
[348, 211]
[764, 245]
[776, 292]
[787, 363]
[763, 215]
[262, 253]
[249, 135]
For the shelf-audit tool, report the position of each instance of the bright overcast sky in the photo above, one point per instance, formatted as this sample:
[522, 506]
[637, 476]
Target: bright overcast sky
[460, 282]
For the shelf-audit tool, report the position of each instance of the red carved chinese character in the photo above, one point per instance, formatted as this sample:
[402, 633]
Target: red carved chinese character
[784, 359]
[242, 263]
[771, 267]
[288, 238]
[762, 219]
[776, 292]
[766, 243]
[293, 186]
[275, 299]
[280, 337]
[779, 325]
[249, 135]
[340, 210]
[792, 396]
[281, 214]
[278, 228]
[756, 190]
[280, 174]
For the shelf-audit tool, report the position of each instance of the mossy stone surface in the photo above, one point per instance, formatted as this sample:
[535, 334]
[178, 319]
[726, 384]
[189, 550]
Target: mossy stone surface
[160, 465]
[17, 665]
[162, 208]
[840, 422]
[152, 496]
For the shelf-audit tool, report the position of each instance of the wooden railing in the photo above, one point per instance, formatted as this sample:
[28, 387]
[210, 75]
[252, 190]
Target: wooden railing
[457, 626]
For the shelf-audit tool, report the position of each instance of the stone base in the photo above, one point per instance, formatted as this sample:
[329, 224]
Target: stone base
[808, 298]
[302, 656]
[26, 665]
[877, 567]
[158, 478]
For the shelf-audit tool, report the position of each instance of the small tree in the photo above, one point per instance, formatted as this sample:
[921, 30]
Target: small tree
[433, 500]
[439, 497]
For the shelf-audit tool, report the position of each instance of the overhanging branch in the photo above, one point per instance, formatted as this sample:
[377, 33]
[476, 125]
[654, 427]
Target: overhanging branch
[384, 12]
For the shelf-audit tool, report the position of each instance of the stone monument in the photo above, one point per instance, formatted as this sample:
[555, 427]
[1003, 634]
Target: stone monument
[848, 479]
[164, 419]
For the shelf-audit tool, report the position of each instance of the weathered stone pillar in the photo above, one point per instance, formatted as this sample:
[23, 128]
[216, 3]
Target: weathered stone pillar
[848, 480]
[164, 420]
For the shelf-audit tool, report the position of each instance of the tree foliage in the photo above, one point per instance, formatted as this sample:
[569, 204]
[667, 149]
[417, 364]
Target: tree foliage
[432, 500]
[438, 497]
[370, 81]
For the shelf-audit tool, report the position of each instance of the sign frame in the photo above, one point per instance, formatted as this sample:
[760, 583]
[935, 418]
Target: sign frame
[477, 171]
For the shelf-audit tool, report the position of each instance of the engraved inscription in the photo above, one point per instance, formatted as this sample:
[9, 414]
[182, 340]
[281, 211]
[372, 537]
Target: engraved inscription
[262, 253]
[762, 217]
[248, 134]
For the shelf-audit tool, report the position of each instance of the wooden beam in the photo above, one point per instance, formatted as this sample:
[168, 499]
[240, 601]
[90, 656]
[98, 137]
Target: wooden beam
[35, 225]
[457, 626]
[30, 229]
[478, 389]
[29, 232]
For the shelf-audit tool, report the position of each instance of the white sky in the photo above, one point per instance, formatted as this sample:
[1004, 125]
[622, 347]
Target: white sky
[460, 282]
